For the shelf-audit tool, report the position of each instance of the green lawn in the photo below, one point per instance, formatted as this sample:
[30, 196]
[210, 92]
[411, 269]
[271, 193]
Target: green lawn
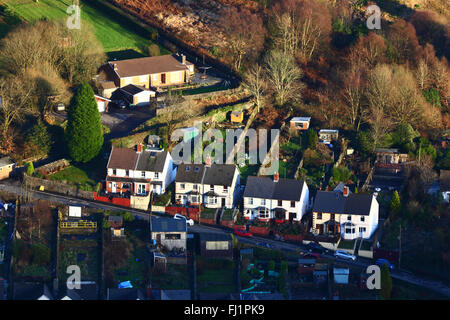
[346, 244]
[215, 275]
[114, 31]
[76, 176]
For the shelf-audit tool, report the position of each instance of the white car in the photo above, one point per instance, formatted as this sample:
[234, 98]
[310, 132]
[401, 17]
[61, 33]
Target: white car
[344, 255]
[189, 222]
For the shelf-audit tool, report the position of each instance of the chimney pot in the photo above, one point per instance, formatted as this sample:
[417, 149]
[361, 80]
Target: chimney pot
[139, 148]
[276, 177]
[208, 161]
[183, 59]
[345, 191]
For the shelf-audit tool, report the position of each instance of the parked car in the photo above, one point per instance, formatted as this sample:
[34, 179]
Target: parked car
[381, 261]
[121, 104]
[263, 244]
[344, 255]
[189, 222]
[312, 255]
[243, 233]
[315, 247]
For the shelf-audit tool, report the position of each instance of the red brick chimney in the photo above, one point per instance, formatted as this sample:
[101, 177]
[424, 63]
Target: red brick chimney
[276, 176]
[208, 161]
[345, 191]
[139, 148]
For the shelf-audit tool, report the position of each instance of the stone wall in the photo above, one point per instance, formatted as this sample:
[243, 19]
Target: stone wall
[57, 187]
[140, 202]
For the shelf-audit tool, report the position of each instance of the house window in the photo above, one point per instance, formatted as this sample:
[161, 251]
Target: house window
[362, 229]
[182, 186]
[250, 200]
[173, 236]
[212, 200]
[280, 203]
[188, 168]
[141, 189]
[127, 173]
[211, 188]
[263, 202]
[263, 214]
[114, 172]
[349, 218]
[109, 185]
[319, 216]
[362, 219]
[332, 216]
[194, 199]
[225, 189]
[195, 187]
[156, 175]
[143, 174]
[292, 204]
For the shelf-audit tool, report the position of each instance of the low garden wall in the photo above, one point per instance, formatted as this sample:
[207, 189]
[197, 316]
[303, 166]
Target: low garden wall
[124, 202]
[260, 231]
[57, 187]
[160, 209]
[140, 202]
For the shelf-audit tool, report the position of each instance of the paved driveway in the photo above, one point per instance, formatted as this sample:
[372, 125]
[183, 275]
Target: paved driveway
[123, 121]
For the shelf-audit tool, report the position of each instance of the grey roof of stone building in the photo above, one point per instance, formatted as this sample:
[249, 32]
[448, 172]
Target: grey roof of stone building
[168, 225]
[335, 202]
[151, 161]
[266, 188]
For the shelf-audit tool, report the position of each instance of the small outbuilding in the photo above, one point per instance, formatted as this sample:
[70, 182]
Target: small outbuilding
[216, 245]
[300, 123]
[341, 275]
[237, 116]
[6, 167]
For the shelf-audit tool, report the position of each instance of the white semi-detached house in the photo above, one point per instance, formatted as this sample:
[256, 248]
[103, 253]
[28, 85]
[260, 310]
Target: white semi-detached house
[139, 171]
[340, 212]
[279, 199]
[213, 185]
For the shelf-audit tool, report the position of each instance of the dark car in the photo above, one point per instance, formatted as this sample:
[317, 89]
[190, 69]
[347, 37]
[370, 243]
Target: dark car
[315, 247]
[380, 262]
[121, 104]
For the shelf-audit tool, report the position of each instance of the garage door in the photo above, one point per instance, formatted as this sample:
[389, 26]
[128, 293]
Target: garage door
[101, 106]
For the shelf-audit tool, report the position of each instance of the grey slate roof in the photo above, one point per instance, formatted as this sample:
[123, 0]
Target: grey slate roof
[217, 174]
[151, 161]
[175, 294]
[124, 294]
[4, 161]
[266, 188]
[167, 225]
[30, 291]
[214, 236]
[220, 174]
[335, 202]
[191, 173]
[88, 291]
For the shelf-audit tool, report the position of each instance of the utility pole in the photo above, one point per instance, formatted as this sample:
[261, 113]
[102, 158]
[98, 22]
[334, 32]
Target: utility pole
[400, 246]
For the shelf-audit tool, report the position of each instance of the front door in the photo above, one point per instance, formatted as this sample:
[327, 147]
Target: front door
[163, 78]
[114, 187]
[223, 202]
[292, 215]
[158, 238]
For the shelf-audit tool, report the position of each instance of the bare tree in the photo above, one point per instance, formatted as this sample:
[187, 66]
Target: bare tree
[244, 32]
[15, 101]
[380, 125]
[423, 74]
[284, 76]
[255, 83]
[353, 93]
[301, 27]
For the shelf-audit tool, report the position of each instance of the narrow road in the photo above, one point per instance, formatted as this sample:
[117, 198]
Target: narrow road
[254, 240]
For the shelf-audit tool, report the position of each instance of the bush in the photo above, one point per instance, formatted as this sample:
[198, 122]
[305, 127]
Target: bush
[364, 143]
[40, 137]
[432, 96]
[154, 50]
[30, 168]
[128, 217]
[341, 174]
[18, 246]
